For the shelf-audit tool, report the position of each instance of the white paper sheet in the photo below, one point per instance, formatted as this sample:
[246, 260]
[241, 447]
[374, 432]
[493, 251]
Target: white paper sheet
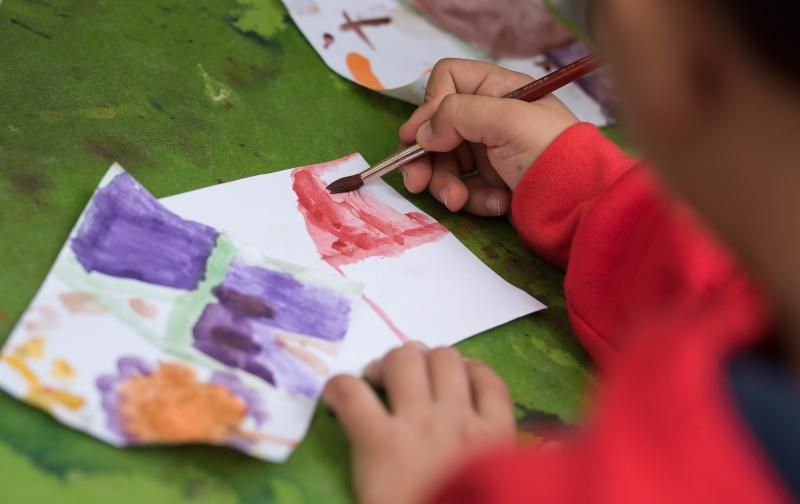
[438, 292]
[151, 329]
[399, 55]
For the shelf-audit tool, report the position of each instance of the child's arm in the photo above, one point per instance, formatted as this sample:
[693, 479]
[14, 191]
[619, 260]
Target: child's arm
[578, 200]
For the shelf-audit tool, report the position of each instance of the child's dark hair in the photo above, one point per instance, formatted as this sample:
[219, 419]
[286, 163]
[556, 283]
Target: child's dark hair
[772, 27]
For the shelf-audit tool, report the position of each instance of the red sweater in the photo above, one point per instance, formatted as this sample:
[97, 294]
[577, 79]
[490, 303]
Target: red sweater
[661, 306]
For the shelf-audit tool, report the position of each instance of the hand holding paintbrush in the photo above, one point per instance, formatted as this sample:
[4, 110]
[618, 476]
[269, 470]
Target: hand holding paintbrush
[530, 92]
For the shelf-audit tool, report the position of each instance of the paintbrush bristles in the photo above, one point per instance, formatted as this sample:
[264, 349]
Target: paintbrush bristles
[346, 184]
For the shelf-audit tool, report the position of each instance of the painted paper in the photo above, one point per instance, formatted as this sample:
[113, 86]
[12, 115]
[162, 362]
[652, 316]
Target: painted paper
[390, 47]
[154, 326]
[419, 281]
[155, 329]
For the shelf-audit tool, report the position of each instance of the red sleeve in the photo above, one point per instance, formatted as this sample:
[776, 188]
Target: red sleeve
[630, 249]
[565, 181]
[661, 306]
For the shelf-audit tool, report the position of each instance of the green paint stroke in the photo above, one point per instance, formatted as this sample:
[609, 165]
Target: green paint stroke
[189, 306]
[262, 17]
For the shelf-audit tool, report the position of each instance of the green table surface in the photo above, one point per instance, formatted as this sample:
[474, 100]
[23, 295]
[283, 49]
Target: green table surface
[186, 95]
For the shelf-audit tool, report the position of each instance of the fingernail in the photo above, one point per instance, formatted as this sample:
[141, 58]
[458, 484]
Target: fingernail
[425, 132]
[403, 173]
[443, 196]
[493, 205]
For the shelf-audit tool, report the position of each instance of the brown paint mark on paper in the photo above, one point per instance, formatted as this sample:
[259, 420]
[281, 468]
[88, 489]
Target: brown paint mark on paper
[358, 25]
[81, 303]
[143, 308]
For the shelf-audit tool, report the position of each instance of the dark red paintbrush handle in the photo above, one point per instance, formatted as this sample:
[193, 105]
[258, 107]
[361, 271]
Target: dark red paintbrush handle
[553, 81]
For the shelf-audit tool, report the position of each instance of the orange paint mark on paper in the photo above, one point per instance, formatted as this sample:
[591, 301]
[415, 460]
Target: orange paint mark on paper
[31, 349]
[41, 395]
[62, 370]
[48, 319]
[170, 405]
[19, 365]
[361, 69]
[314, 362]
[260, 436]
[143, 308]
[81, 303]
[46, 398]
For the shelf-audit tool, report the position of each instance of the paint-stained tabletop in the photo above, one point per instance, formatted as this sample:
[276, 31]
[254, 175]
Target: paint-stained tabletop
[186, 95]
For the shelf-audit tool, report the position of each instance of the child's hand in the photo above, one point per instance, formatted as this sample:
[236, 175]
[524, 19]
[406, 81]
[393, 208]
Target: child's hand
[499, 138]
[442, 408]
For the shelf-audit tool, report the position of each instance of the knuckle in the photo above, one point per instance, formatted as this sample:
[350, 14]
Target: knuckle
[398, 355]
[445, 354]
[450, 105]
[342, 388]
[443, 66]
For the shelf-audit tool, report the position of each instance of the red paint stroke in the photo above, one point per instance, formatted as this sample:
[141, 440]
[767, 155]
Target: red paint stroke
[399, 334]
[348, 228]
[327, 40]
[357, 26]
[385, 317]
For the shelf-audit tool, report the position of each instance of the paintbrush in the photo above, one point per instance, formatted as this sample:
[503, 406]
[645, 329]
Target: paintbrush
[530, 92]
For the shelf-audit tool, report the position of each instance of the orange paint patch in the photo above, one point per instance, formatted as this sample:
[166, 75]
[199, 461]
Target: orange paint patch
[61, 370]
[31, 349]
[143, 308]
[361, 69]
[19, 365]
[41, 395]
[46, 398]
[48, 319]
[81, 303]
[170, 405]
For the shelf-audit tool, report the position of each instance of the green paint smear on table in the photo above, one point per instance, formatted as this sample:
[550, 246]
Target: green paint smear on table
[262, 17]
[115, 81]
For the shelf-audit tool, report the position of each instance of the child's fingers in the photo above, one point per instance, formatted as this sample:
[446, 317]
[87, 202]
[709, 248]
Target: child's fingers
[486, 200]
[479, 119]
[449, 378]
[417, 174]
[404, 376]
[484, 166]
[457, 76]
[446, 184]
[356, 405]
[490, 394]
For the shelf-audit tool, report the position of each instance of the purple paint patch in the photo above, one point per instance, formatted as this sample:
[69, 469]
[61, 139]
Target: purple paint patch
[127, 233]
[109, 385]
[257, 308]
[295, 307]
[253, 345]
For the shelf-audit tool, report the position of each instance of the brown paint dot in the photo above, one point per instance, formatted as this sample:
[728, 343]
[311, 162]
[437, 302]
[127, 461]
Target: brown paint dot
[143, 308]
[81, 303]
